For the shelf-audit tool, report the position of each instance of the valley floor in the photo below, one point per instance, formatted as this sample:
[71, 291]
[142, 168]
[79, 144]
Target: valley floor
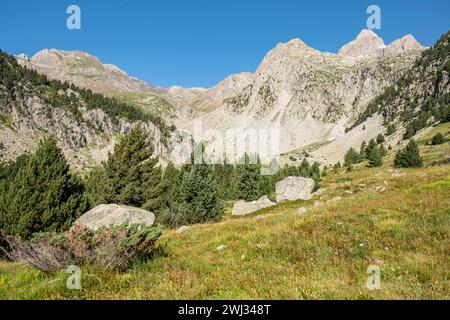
[396, 219]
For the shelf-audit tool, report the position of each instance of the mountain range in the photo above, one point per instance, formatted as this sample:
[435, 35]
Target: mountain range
[318, 101]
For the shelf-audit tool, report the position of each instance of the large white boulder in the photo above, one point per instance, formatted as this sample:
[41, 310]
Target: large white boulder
[242, 207]
[108, 215]
[294, 188]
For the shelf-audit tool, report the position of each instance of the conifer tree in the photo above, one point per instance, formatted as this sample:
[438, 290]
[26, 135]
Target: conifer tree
[362, 151]
[43, 195]
[131, 175]
[380, 138]
[383, 150]
[315, 171]
[200, 195]
[248, 178]
[409, 156]
[372, 145]
[304, 168]
[351, 157]
[375, 158]
[170, 187]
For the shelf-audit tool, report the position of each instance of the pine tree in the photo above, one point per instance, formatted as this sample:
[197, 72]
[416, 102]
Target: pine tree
[409, 156]
[351, 157]
[200, 195]
[304, 168]
[170, 186]
[383, 150]
[375, 158]
[372, 145]
[380, 138]
[43, 195]
[315, 172]
[248, 178]
[265, 186]
[362, 151]
[131, 175]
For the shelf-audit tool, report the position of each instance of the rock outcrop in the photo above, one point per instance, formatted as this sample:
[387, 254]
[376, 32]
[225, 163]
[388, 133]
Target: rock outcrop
[294, 188]
[242, 207]
[107, 215]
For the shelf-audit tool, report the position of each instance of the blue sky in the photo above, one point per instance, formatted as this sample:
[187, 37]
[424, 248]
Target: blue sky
[200, 42]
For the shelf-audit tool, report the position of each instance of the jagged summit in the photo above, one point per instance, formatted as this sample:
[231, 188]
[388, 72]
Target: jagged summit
[408, 42]
[366, 43]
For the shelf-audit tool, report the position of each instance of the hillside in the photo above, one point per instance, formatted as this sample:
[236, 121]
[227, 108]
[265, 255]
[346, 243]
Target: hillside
[86, 124]
[397, 219]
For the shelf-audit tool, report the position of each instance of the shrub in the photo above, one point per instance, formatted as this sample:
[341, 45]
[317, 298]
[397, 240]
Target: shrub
[114, 248]
[437, 139]
[409, 156]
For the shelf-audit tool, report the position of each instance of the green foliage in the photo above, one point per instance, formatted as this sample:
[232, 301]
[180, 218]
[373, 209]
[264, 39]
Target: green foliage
[383, 150]
[94, 184]
[249, 173]
[304, 168]
[131, 175]
[438, 138]
[409, 156]
[380, 138]
[368, 151]
[37, 193]
[375, 157]
[200, 195]
[351, 157]
[390, 130]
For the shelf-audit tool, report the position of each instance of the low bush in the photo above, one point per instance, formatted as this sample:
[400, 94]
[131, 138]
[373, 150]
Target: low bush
[437, 139]
[114, 248]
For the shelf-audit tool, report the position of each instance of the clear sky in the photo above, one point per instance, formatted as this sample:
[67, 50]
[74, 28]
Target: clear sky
[200, 42]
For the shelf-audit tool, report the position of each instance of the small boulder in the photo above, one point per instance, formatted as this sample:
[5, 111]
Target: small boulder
[183, 229]
[108, 215]
[221, 247]
[294, 188]
[242, 207]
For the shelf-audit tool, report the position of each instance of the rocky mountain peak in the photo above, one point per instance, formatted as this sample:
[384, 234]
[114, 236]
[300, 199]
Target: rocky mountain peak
[366, 43]
[83, 70]
[408, 42]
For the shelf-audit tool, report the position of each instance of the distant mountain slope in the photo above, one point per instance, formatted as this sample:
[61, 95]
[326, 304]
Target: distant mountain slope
[86, 124]
[421, 96]
[310, 96]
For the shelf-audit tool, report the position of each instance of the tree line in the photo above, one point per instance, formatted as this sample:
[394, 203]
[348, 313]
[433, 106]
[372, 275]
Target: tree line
[39, 193]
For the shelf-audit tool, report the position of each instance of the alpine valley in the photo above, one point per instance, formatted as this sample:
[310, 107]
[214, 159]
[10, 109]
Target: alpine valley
[317, 100]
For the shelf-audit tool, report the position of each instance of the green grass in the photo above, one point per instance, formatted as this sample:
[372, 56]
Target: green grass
[398, 220]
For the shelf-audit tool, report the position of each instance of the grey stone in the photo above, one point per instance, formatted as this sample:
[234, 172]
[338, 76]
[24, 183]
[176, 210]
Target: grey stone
[242, 207]
[294, 188]
[107, 215]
